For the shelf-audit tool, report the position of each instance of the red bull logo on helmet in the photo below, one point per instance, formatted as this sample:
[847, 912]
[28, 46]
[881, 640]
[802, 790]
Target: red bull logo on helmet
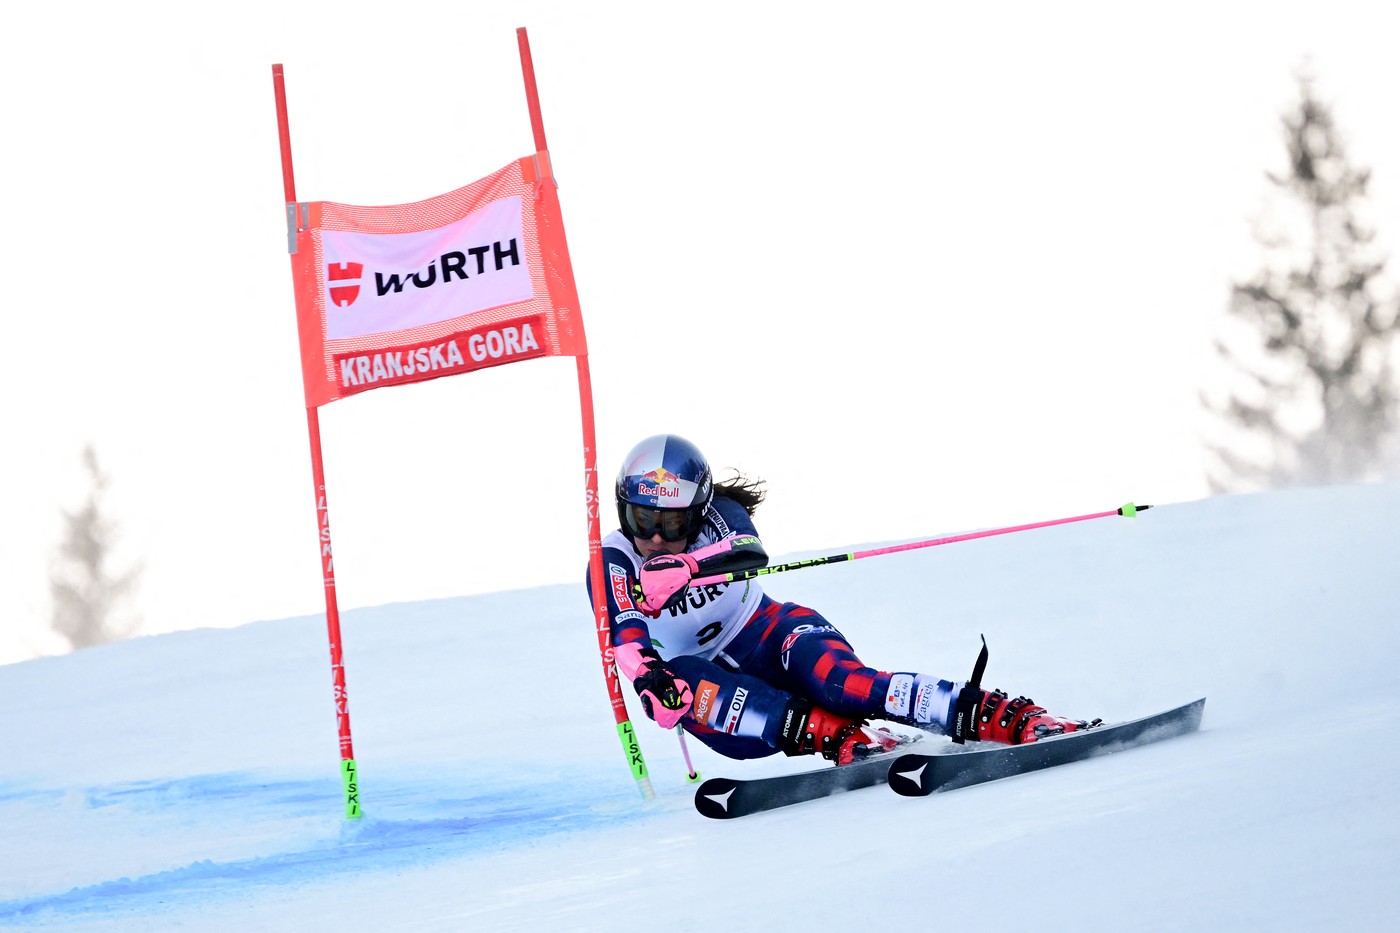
[661, 483]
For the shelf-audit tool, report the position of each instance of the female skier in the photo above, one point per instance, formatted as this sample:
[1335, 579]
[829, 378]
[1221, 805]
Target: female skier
[746, 674]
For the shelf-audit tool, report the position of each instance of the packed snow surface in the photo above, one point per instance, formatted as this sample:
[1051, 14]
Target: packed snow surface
[192, 780]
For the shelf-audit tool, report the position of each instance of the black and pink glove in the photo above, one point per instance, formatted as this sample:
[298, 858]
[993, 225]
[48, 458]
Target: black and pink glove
[664, 579]
[665, 697]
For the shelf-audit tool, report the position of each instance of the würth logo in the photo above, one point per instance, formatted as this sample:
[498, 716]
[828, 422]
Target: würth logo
[343, 296]
[454, 263]
[476, 261]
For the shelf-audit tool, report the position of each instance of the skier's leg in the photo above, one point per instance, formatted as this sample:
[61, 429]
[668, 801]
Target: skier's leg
[797, 649]
[742, 716]
[732, 713]
[800, 651]
[993, 716]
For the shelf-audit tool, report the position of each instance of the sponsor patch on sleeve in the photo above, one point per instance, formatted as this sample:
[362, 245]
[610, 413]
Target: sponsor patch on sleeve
[897, 701]
[704, 707]
[735, 712]
[619, 587]
[923, 703]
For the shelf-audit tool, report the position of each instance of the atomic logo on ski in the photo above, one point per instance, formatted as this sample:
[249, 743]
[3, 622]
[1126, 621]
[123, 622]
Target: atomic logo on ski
[721, 799]
[716, 799]
[915, 775]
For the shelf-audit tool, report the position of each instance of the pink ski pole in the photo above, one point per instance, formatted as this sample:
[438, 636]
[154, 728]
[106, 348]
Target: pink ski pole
[1128, 510]
[691, 774]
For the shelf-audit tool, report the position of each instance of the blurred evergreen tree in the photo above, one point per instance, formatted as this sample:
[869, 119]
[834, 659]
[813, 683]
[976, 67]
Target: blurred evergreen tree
[1316, 398]
[88, 599]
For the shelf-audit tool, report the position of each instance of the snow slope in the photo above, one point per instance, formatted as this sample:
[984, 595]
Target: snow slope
[190, 780]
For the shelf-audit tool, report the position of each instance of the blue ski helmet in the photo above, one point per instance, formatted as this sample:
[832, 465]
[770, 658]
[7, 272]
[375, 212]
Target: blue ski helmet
[664, 485]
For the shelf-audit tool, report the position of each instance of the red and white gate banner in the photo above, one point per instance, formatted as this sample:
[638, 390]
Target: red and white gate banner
[473, 278]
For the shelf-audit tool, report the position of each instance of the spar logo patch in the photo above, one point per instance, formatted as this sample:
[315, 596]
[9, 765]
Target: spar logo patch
[619, 587]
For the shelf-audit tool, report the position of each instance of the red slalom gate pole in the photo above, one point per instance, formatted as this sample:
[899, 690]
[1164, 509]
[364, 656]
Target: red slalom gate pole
[631, 748]
[348, 770]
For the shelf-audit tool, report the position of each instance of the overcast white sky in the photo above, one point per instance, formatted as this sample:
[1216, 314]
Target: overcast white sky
[923, 270]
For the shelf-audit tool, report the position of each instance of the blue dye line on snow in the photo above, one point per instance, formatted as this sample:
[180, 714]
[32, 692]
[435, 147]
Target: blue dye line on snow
[495, 818]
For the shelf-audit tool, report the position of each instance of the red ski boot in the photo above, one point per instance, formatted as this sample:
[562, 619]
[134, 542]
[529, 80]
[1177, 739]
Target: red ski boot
[992, 716]
[808, 729]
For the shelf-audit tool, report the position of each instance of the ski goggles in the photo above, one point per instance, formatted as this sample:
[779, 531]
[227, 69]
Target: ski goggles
[641, 521]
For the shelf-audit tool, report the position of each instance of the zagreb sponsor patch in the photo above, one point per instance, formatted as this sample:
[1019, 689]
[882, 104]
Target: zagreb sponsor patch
[923, 703]
[735, 712]
[705, 701]
[898, 700]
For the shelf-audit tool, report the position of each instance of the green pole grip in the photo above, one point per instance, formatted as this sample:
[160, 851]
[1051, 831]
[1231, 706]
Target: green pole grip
[633, 749]
[352, 789]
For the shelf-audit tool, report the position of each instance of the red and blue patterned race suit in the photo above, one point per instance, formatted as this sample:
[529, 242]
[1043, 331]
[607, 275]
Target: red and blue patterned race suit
[744, 654]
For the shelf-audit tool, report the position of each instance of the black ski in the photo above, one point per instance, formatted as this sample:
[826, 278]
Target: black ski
[726, 798]
[920, 775]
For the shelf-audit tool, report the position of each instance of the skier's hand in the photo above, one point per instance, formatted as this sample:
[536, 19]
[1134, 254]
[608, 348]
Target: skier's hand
[664, 579]
[665, 697]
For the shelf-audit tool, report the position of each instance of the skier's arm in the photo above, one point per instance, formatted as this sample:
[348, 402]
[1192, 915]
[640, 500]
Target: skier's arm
[625, 621]
[664, 578]
[730, 555]
[665, 697]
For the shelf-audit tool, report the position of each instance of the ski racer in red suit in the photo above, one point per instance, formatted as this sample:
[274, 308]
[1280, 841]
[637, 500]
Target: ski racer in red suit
[746, 674]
